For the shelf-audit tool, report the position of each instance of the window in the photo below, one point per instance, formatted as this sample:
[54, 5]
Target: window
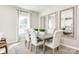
[50, 24]
[51, 21]
[24, 22]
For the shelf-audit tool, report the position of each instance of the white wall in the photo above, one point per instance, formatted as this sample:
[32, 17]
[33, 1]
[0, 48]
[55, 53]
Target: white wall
[55, 9]
[67, 41]
[34, 20]
[8, 23]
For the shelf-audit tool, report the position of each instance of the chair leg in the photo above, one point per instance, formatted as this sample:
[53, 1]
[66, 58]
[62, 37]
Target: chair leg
[53, 51]
[35, 49]
[57, 48]
[27, 45]
[25, 42]
[31, 47]
[6, 50]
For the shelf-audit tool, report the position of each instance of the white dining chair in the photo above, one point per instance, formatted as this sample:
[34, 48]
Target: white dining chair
[34, 41]
[27, 39]
[55, 41]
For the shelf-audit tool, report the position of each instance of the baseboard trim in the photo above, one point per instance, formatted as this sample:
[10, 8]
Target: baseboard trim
[69, 46]
[13, 45]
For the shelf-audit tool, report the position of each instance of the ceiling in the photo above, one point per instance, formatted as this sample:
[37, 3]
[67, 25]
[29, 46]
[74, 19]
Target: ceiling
[40, 8]
[37, 8]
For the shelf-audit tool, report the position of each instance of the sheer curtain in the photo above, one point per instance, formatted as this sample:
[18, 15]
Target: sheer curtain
[24, 23]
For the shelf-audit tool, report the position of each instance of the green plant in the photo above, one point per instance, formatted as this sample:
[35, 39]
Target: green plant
[36, 29]
[41, 30]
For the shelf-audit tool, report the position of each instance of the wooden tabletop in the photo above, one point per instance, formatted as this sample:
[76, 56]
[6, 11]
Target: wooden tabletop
[46, 36]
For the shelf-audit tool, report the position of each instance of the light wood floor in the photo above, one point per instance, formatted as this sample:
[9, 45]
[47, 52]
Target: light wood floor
[21, 49]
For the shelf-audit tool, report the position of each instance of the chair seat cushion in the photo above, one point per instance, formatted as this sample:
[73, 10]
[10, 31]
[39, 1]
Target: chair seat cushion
[40, 43]
[49, 40]
[50, 45]
[2, 50]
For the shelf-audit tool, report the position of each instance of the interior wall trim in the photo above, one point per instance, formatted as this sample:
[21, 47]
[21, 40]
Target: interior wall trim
[69, 46]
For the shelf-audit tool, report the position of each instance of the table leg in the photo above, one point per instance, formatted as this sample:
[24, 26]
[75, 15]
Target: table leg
[44, 46]
[6, 49]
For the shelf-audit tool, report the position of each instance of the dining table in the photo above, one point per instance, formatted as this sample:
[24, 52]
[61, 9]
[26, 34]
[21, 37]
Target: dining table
[45, 37]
